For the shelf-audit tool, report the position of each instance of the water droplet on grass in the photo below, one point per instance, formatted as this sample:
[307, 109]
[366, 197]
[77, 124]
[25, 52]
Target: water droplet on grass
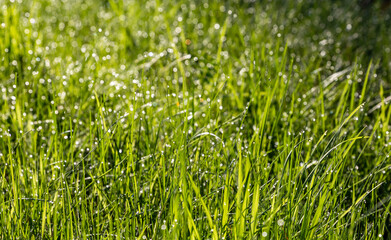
[280, 222]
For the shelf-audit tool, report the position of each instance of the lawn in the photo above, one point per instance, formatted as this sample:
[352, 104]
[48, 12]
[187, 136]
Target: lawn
[158, 119]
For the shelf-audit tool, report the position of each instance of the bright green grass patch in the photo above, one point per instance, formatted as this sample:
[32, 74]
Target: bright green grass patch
[194, 120]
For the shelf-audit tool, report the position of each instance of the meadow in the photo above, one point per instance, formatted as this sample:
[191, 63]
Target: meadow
[157, 119]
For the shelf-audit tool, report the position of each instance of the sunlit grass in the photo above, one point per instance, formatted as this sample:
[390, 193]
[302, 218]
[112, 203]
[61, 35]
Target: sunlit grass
[194, 120]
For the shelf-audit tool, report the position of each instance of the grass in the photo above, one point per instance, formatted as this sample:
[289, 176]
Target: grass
[194, 120]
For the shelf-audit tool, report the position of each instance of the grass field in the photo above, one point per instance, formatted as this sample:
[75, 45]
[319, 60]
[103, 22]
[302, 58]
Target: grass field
[194, 119]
